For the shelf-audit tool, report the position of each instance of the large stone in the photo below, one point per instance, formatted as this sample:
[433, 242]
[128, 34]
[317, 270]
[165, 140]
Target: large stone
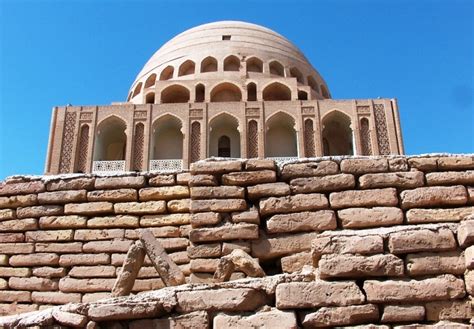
[163, 193]
[296, 262]
[469, 257]
[267, 190]
[81, 183]
[398, 164]
[129, 271]
[271, 247]
[225, 232]
[217, 192]
[259, 164]
[415, 216]
[120, 195]
[370, 217]
[120, 182]
[363, 166]
[15, 271]
[220, 205]
[215, 167]
[266, 319]
[117, 221]
[466, 233]
[203, 180]
[346, 315]
[204, 250]
[364, 245]
[435, 196]
[293, 203]
[329, 183]
[423, 164]
[355, 266]
[85, 285]
[249, 216]
[456, 162]
[135, 310]
[21, 188]
[451, 178]
[204, 265]
[38, 211]
[443, 287]
[401, 180]
[162, 180]
[309, 169]
[17, 225]
[32, 283]
[421, 240]
[18, 201]
[158, 232]
[37, 259]
[16, 248]
[365, 198]
[11, 237]
[89, 208]
[49, 272]
[237, 260]
[228, 247]
[106, 246]
[182, 205]
[451, 262]
[165, 220]
[196, 320]
[246, 178]
[205, 219]
[56, 235]
[449, 310]
[62, 222]
[54, 297]
[6, 214]
[402, 313]
[69, 319]
[303, 221]
[317, 293]
[97, 234]
[15, 296]
[469, 280]
[60, 197]
[68, 260]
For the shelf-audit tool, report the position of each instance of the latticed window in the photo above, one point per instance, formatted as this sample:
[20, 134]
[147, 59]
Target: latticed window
[309, 138]
[195, 141]
[253, 139]
[381, 129]
[82, 150]
[365, 137]
[138, 144]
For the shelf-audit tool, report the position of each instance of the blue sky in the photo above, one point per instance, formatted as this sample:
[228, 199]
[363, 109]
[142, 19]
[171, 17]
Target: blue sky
[89, 52]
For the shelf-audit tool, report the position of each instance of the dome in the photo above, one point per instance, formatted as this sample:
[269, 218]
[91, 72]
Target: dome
[216, 50]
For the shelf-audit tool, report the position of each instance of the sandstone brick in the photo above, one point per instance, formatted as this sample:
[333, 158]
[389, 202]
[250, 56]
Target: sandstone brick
[303, 221]
[165, 220]
[317, 293]
[295, 263]
[456, 163]
[15, 296]
[32, 283]
[37, 259]
[158, 232]
[423, 164]
[206, 265]
[363, 166]
[15, 271]
[92, 272]
[228, 247]
[220, 205]
[9, 309]
[215, 167]
[190, 320]
[38, 211]
[249, 216]
[69, 319]
[225, 232]
[162, 180]
[57, 235]
[70, 221]
[469, 280]
[443, 287]
[470, 194]
[97, 234]
[309, 169]
[346, 315]
[3, 284]
[12, 237]
[268, 248]
[370, 217]
[267, 190]
[26, 224]
[217, 192]
[107, 246]
[365, 198]
[267, 319]
[259, 164]
[59, 197]
[466, 233]
[120, 195]
[140, 208]
[119, 182]
[421, 240]
[205, 219]
[184, 230]
[85, 285]
[49, 272]
[203, 180]
[69, 260]
[451, 262]
[178, 206]
[16, 248]
[21, 188]
[147, 285]
[163, 193]
[18, 201]
[322, 184]
[204, 250]
[3, 260]
[246, 178]
[415, 216]
[50, 297]
[398, 164]
[6, 214]
[293, 203]
[449, 310]
[402, 313]
[95, 296]
[401, 180]
[174, 244]
[117, 221]
[451, 178]
[234, 300]
[435, 196]
[364, 245]
[90, 208]
[469, 257]
[183, 178]
[81, 183]
[180, 257]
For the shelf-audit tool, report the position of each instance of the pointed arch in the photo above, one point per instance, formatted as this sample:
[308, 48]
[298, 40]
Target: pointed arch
[110, 139]
[186, 68]
[280, 136]
[312, 83]
[209, 64]
[254, 64]
[226, 92]
[166, 138]
[276, 68]
[365, 137]
[252, 92]
[150, 98]
[200, 93]
[276, 91]
[175, 93]
[137, 89]
[324, 92]
[150, 81]
[167, 73]
[224, 124]
[338, 133]
[231, 63]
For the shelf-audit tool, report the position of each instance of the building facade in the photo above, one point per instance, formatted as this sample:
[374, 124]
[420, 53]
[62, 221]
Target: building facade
[225, 89]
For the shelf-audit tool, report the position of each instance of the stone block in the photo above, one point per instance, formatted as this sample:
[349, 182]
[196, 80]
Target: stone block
[317, 293]
[296, 262]
[68, 260]
[183, 178]
[217, 192]
[147, 285]
[119, 182]
[56, 235]
[3, 260]
[69, 319]
[203, 180]
[107, 246]
[469, 280]
[163, 193]
[329, 183]
[449, 310]
[190, 320]
[266, 319]
[469, 257]
[162, 180]
[364, 198]
[309, 169]
[6, 214]
[225, 232]
[259, 164]
[92, 272]
[62, 222]
[15, 296]
[37, 259]
[421, 240]
[97, 234]
[16, 248]
[268, 189]
[271, 247]
[81, 183]
[416, 216]
[215, 167]
[38, 211]
[456, 163]
[402, 313]
[370, 217]
[95, 296]
[12, 237]
[18, 201]
[435, 196]
[451, 178]
[56, 297]
[85, 285]
[21, 188]
[32, 283]
[364, 245]
[205, 219]
[249, 216]
[49, 272]
[398, 164]
[140, 208]
[60, 197]
[89, 208]
[466, 233]
[205, 265]
[364, 166]
[228, 247]
[3, 284]
[165, 220]
[302, 222]
[337, 316]
[293, 203]
[120, 195]
[158, 232]
[429, 263]
[17, 225]
[423, 164]
[443, 287]
[357, 266]
[178, 206]
[208, 250]
[220, 205]
[117, 221]
[246, 178]
[15, 271]
[401, 180]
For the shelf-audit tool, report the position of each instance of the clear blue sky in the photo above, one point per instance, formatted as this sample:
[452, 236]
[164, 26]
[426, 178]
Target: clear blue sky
[89, 52]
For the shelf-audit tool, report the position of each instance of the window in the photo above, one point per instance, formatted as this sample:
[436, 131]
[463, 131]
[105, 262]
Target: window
[200, 89]
[226, 37]
[223, 147]
[231, 63]
[251, 92]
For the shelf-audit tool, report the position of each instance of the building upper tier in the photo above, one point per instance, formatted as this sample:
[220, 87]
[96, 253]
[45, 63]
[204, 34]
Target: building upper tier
[231, 51]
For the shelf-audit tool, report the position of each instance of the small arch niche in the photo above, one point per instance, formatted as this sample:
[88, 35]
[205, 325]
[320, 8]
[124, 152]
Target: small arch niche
[137, 89]
[302, 95]
[280, 135]
[276, 92]
[295, 73]
[167, 73]
[209, 64]
[150, 81]
[232, 63]
[150, 98]
[254, 64]
[111, 140]
[337, 134]
[224, 136]
[226, 92]
[200, 93]
[251, 92]
[186, 68]
[276, 68]
[175, 94]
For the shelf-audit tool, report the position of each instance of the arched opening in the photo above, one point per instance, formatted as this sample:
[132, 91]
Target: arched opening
[175, 94]
[312, 83]
[111, 140]
[167, 139]
[277, 69]
[224, 136]
[276, 92]
[251, 92]
[302, 95]
[150, 81]
[280, 137]
[337, 134]
[232, 63]
[254, 64]
[137, 90]
[324, 92]
[200, 93]
[186, 68]
[167, 73]
[150, 98]
[209, 64]
[226, 92]
[295, 73]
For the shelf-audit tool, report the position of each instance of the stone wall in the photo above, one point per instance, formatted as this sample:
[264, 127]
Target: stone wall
[390, 239]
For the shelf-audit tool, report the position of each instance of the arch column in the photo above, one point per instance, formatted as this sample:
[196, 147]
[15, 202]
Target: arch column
[355, 130]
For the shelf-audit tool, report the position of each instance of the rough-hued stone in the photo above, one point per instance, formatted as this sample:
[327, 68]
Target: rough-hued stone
[398, 164]
[129, 271]
[449, 310]
[163, 193]
[17, 225]
[56, 235]
[303, 221]
[32, 283]
[268, 247]
[370, 217]
[175, 206]
[215, 167]
[119, 182]
[451, 178]
[120, 195]
[421, 240]
[204, 250]
[165, 220]
[456, 163]
[60, 197]
[54, 297]
[220, 205]
[423, 164]
[266, 319]
[15, 296]
[117, 221]
[83, 259]
[54, 222]
[364, 198]
[38, 211]
[162, 180]
[228, 247]
[309, 169]
[49, 272]
[21, 188]
[37, 259]
[355, 266]
[365, 245]
[363, 166]
[106, 246]
[199, 319]
[204, 265]
[415, 216]
[90, 208]
[97, 234]
[18, 201]
[205, 219]
[249, 216]
[16, 248]
[466, 233]
[81, 183]
[217, 192]
[246, 178]
[293, 203]
[402, 313]
[85, 285]
[329, 183]
[295, 262]
[237, 260]
[267, 190]
[469, 257]
[443, 287]
[203, 180]
[69, 319]
[15, 271]
[6, 214]
[140, 208]
[259, 164]
[346, 315]
[402, 180]
[451, 262]
[11, 237]
[434, 196]
[158, 232]
[225, 232]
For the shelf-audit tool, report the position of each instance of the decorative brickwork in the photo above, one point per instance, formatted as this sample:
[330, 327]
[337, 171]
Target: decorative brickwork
[195, 141]
[138, 145]
[83, 149]
[253, 139]
[309, 138]
[68, 140]
[365, 137]
[381, 128]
